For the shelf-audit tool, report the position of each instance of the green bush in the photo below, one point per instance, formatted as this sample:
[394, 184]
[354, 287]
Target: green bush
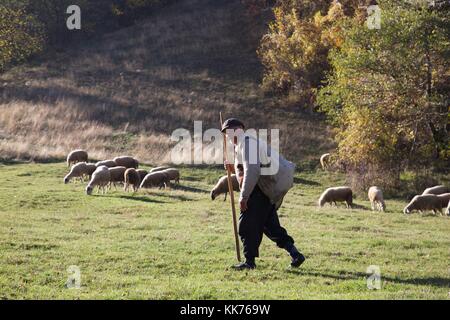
[387, 94]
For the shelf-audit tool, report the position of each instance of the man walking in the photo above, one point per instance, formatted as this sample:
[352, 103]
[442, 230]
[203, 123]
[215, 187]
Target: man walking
[264, 181]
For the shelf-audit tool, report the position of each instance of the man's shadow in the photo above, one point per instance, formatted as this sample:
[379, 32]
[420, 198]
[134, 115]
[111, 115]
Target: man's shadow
[345, 275]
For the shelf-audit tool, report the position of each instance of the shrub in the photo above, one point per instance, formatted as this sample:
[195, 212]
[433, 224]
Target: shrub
[20, 36]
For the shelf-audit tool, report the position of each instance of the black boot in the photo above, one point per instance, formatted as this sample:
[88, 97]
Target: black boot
[247, 265]
[297, 257]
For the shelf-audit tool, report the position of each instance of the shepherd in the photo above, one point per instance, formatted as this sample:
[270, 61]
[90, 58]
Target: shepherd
[262, 192]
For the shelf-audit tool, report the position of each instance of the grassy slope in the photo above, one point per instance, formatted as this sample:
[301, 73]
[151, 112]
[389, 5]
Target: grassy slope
[176, 244]
[127, 91]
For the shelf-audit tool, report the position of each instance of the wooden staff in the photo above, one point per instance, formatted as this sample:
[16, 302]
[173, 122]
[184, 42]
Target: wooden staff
[230, 190]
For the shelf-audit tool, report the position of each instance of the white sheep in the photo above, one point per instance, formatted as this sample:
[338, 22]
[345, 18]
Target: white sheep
[158, 169]
[127, 162]
[324, 160]
[444, 198]
[142, 173]
[376, 198]
[80, 170]
[107, 163]
[172, 174]
[423, 203]
[436, 190]
[155, 179]
[76, 156]
[337, 194]
[221, 187]
[132, 178]
[117, 175]
[100, 178]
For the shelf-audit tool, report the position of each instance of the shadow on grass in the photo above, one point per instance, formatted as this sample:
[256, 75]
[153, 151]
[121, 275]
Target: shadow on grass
[306, 182]
[189, 189]
[344, 275]
[134, 198]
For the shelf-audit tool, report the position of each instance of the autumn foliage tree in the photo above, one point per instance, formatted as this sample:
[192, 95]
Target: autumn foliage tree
[21, 36]
[388, 93]
[295, 50]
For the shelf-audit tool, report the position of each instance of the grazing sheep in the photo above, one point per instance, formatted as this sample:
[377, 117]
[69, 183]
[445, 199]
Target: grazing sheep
[172, 174]
[142, 173]
[158, 169]
[100, 178]
[447, 212]
[132, 178]
[424, 202]
[376, 198]
[127, 162]
[79, 170]
[445, 198]
[337, 194]
[107, 163]
[117, 175]
[436, 190]
[324, 160]
[76, 156]
[155, 179]
[222, 187]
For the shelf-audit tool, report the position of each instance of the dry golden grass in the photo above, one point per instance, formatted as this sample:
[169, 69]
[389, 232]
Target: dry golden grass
[127, 91]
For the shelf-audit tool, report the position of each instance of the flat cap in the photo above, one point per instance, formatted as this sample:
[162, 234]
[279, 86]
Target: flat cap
[231, 123]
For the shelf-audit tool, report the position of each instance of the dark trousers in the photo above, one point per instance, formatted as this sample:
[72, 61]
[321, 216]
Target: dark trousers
[261, 218]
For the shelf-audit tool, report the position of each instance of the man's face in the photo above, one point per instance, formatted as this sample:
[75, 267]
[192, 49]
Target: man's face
[233, 133]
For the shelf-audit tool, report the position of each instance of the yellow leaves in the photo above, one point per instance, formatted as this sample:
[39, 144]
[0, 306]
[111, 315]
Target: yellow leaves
[18, 40]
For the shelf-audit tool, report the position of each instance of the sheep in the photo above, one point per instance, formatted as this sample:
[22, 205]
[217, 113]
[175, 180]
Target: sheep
[376, 198]
[424, 202]
[172, 174]
[80, 170]
[324, 160]
[436, 190]
[155, 179]
[447, 212]
[127, 162]
[445, 198]
[90, 169]
[117, 175]
[158, 169]
[100, 178]
[222, 187]
[337, 194]
[132, 178]
[142, 173]
[107, 163]
[76, 156]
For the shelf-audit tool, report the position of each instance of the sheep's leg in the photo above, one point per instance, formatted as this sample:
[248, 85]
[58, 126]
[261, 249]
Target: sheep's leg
[372, 205]
[225, 198]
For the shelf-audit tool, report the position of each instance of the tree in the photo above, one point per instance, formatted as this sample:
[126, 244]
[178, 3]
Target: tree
[387, 94]
[20, 36]
[295, 50]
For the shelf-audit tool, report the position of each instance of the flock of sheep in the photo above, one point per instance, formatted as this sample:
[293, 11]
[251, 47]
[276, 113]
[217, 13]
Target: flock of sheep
[435, 198]
[120, 170]
[124, 170]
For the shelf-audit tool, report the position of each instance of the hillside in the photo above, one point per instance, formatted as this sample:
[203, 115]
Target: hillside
[127, 91]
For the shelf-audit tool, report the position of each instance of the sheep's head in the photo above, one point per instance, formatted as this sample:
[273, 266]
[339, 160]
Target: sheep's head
[66, 180]
[213, 195]
[89, 190]
[406, 210]
[321, 202]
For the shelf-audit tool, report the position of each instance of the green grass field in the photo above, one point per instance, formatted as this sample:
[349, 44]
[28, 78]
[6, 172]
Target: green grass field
[178, 244]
